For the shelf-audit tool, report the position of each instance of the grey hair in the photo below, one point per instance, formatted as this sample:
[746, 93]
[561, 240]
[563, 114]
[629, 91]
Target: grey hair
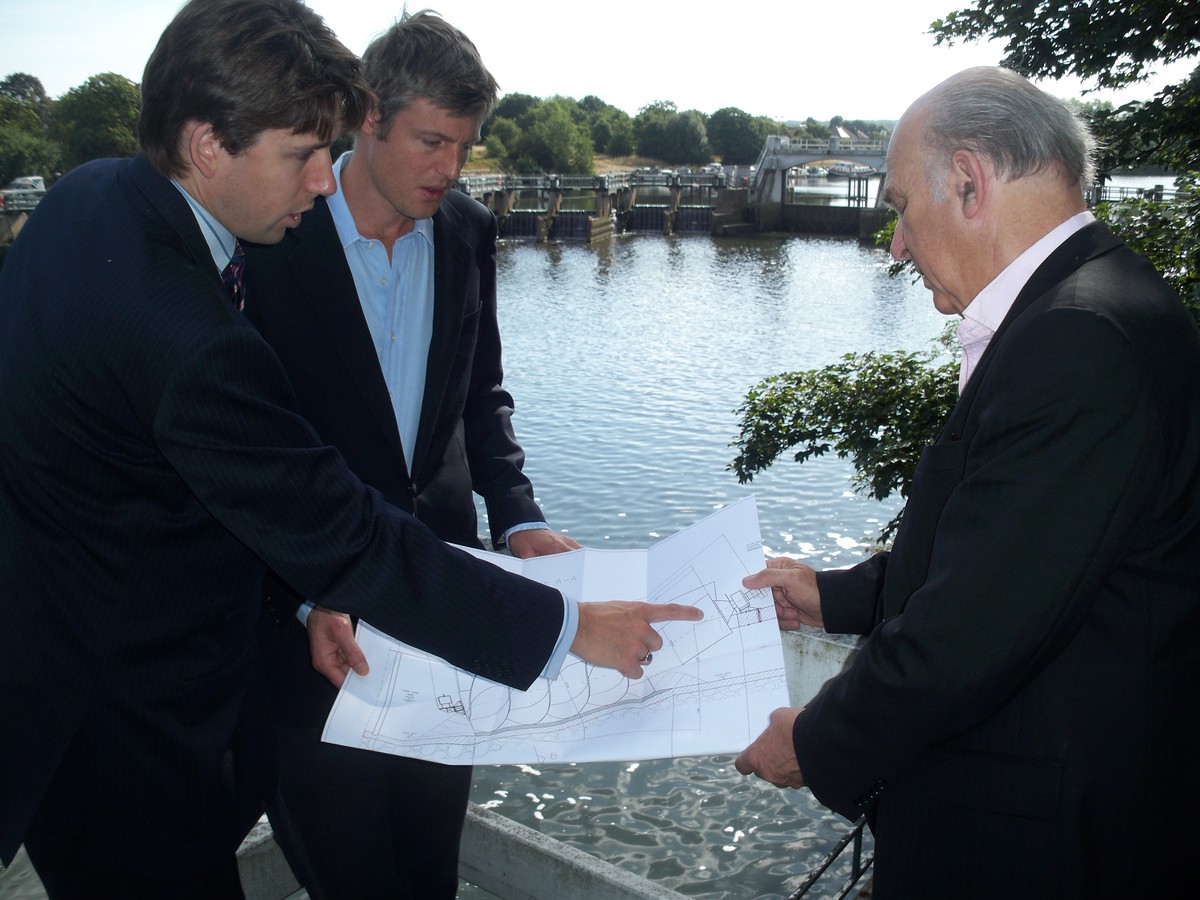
[1001, 116]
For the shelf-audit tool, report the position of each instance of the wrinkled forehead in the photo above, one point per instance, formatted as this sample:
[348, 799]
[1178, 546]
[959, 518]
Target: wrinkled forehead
[903, 156]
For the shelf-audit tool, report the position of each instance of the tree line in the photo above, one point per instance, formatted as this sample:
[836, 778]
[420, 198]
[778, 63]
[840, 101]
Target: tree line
[524, 134]
[41, 136]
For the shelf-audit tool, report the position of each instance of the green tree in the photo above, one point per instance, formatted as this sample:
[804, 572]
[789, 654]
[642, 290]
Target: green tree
[555, 140]
[503, 137]
[620, 134]
[1113, 43]
[97, 119]
[24, 147]
[650, 129]
[882, 409]
[1165, 232]
[25, 153]
[26, 90]
[513, 107]
[737, 137]
[879, 409]
[687, 139]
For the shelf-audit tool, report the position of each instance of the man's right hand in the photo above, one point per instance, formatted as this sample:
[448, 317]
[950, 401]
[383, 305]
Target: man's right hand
[331, 645]
[794, 588]
[617, 634]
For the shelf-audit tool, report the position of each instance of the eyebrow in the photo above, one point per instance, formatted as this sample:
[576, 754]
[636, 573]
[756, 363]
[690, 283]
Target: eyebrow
[888, 194]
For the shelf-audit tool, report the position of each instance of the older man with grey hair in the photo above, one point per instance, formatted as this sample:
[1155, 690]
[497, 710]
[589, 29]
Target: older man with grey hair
[1020, 720]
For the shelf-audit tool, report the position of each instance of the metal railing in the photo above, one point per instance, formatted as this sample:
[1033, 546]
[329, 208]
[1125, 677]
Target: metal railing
[490, 183]
[858, 865]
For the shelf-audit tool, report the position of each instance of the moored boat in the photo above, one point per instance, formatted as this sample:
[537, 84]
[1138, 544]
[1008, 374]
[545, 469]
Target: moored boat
[849, 170]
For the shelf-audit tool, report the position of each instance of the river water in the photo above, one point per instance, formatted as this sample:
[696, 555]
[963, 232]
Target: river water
[627, 361]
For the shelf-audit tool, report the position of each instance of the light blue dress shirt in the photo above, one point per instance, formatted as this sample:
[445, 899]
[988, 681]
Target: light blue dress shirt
[397, 298]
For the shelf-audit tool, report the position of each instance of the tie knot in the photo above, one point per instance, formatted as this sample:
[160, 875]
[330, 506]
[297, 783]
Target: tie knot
[234, 275]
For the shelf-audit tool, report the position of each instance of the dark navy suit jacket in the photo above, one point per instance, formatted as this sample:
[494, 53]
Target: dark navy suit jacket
[153, 464]
[1022, 719]
[301, 296]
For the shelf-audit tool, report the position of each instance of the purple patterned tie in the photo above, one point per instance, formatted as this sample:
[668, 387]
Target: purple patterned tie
[234, 276]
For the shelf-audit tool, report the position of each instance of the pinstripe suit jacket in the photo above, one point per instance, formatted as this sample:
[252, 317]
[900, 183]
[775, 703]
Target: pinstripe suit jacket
[152, 465]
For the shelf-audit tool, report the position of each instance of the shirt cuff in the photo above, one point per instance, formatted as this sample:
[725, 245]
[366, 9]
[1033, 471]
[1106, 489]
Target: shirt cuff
[524, 526]
[303, 610]
[566, 637]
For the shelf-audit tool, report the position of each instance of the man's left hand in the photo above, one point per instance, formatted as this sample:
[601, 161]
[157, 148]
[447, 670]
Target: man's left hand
[539, 542]
[772, 756]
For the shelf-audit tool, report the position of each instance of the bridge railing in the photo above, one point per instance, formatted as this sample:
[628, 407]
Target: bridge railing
[490, 183]
[1113, 194]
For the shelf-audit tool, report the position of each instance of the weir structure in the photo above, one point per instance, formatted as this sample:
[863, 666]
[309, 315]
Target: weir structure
[719, 200]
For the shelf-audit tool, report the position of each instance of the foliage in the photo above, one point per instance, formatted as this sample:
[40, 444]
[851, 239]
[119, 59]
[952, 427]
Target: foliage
[736, 137]
[23, 88]
[879, 409]
[97, 119]
[24, 147]
[512, 106]
[687, 139]
[559, 134]
[553, 138]
[650, 129]
[26, 90]
[1113, 42]
[1165, 232]
[882, 409]
[25, 153]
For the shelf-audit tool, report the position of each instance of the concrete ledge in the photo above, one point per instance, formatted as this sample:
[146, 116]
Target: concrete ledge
[516, 862]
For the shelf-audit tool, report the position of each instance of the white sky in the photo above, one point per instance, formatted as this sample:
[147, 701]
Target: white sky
[787, 59]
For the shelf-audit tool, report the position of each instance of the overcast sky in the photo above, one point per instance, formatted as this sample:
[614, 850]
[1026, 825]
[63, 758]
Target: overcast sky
[787, 59]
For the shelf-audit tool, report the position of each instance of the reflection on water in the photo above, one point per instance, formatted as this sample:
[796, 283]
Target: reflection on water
[627, 362]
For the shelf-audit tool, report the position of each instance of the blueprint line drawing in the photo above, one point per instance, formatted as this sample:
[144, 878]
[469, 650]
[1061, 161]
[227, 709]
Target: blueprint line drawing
[710, 689]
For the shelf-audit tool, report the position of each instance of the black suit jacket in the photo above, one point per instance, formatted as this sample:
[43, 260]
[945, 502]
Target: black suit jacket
[1021, 720]
[152, 465]
[301, 296]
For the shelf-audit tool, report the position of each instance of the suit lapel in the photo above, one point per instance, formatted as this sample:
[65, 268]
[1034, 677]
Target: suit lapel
[1086, 244]
[327, 287]
[451, 261]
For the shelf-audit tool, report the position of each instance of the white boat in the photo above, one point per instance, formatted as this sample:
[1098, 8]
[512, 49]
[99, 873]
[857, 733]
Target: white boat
[849, 170]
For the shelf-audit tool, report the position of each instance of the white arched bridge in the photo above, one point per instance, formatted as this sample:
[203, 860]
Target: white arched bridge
[779, 154]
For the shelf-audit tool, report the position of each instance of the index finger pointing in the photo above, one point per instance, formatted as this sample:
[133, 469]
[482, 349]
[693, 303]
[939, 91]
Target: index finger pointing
[665, 612]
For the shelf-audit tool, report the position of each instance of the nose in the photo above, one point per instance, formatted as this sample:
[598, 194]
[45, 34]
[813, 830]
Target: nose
[899, 249]
[320, 173]
[451, 161]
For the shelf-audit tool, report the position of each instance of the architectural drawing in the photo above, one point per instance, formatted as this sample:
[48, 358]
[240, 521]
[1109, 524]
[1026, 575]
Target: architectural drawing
[709, 690]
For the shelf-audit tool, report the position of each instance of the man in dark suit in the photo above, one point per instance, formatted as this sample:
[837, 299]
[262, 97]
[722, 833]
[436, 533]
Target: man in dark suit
[153, 465]
[1020, 720]
[382, 307]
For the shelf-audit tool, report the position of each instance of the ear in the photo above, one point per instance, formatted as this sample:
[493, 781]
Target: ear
[971, 181]
[205, 149]
[370, 124]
